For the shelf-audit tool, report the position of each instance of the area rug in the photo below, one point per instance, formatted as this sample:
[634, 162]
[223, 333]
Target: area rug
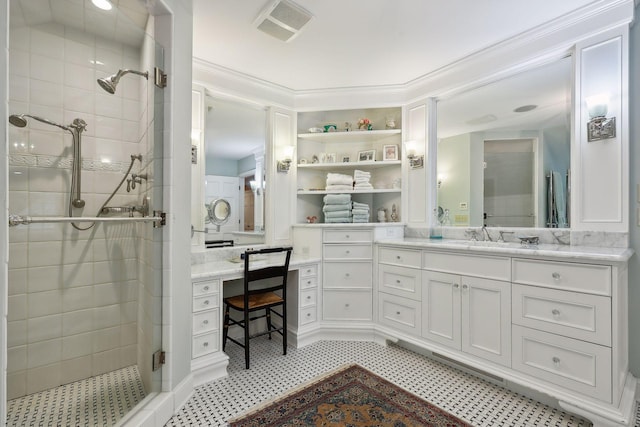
[348, 396]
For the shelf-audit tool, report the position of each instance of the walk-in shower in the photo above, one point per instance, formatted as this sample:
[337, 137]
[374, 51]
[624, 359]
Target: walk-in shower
[109, 83]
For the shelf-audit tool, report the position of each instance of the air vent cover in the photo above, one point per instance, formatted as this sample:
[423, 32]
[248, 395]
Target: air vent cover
[283, 20]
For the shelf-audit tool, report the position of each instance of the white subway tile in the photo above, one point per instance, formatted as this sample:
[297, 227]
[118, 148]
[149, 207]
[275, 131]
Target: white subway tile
[130, 131]
[108, 61]
[18, 179]
[44, 328]
[47, 44]
[48, 180]
[16, 333]
[19, 63]
[48, 142]
[17, 359]
[106, 294]
[108, 128]
[106, 339]
[52, 113]
[44, 353]
[105, 361]
[45, 93]
[16, 385]
[17, 307]
[18, 281]
[108, 106]
[19, 88]
[45, 279]
[79, 53]
[47, 69]
[129, 355]
[75, 299]
[44, 303]
[43, 378]
[106, 317]
[19, 38]
[81, 102]
[17, 255]
[80, 76]
[77, 322]
[47, 204]
[77, 345]
[75, 369]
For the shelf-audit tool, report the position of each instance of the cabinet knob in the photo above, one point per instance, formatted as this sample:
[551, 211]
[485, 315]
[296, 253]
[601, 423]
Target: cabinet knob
[348, 251]
[309, 271]
[455, 286]
[308, 314]
[308, 296]
[206, 288]
[555, 275]
[206, 302]
[556, 361]
[555, 312]
[398, 281]
[346, 305]
[205, 322]
[346, 236]
[206, 344]
[346, 275]
[398, 257]
[308, 282]
[397, 313]
[465, 286]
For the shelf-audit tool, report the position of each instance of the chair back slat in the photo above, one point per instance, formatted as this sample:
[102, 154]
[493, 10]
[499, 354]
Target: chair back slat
[269, 272]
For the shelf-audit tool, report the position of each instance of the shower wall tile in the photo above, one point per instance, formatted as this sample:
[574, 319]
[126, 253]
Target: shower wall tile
[43, 378]
[44, 303]
[46, 93]
[44, 328]
[130, 110]
[47, 44]
[17, 307]
[105, 361]
[16, 333]
[106, 339]
[16, 384]
[19, 89]
[79, 100]
[107, 317]
[75, 369]
[47, 69]
[19, 63]
[79, 53]
[79, 36]
[109, 106]
[45, 279]
[108, 128]
[18, 281]
[17, 255]
[48, 180]
[77, 322]
[51, 113]
[75, 299]
[19, 179]
[17, 359]
[107, 294]
[75, 346]
[19, 38]
[44, 353]
[47, 142]
[108, 60]
[47, 203]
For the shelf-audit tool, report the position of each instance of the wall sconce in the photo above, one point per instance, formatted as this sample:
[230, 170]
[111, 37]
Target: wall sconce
[416, 161]
[285, 163]
[441, 179]
[599, 126]
[254, 187]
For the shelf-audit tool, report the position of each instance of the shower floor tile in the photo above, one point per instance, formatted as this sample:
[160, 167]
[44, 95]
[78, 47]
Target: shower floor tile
[476, 400]
[97, 401]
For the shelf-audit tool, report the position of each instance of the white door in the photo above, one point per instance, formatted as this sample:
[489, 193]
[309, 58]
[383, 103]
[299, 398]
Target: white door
[225, 187]
[486, 319]
[441, 308]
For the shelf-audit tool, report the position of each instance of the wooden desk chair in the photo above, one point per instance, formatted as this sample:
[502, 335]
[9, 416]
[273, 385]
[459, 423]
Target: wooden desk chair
[260, 296]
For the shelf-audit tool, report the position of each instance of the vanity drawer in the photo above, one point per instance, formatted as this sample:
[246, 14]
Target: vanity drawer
[351, 251]
[307, 315]
[488, 267]
[308, 297]
[401, 257]
[399, 313]
[561, 275]
[401, 281]
[308, 282]
[573, 314]
[202, 345]
[205, 302]
[206, 321]
[348, 274]
[204, 288]
[345, 236]
[347, 305]
[573, 364]
[308, 270]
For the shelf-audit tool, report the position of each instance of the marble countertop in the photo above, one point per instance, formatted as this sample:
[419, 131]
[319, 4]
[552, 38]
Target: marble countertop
[565, 252]
[227, 269]
[351, 224]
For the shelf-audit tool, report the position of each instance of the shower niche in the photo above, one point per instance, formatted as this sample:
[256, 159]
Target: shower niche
[85, 169]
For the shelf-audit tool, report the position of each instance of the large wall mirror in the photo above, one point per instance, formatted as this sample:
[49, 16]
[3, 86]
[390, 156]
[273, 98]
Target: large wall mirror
[503, 157]
[234, 146]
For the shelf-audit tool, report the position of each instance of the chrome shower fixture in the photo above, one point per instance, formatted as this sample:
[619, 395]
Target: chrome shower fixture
[20, 121]
[109, 83]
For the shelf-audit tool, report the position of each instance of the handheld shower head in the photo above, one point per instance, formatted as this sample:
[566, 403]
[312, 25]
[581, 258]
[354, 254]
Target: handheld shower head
[109, 83]
[20, 121]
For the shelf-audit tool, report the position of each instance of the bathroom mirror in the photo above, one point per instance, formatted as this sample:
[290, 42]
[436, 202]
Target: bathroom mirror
[234, 141]
[503, 153]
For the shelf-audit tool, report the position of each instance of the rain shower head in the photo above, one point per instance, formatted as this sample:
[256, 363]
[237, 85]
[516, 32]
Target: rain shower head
[109, 83]
[20, 121]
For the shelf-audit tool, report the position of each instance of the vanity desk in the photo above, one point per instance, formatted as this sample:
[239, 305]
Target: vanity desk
[552, 318]
[209, 277]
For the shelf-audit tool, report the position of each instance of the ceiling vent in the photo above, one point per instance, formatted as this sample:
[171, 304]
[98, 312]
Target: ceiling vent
[283, 20]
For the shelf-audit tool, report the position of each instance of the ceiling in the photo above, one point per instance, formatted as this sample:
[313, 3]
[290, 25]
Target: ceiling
[359, 43]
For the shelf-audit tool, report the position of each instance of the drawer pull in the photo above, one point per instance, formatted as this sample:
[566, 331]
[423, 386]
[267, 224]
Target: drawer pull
[398, 257]
[397, 313]
[206, 302]
[308, 282]
[555, 275]
[455, 285]
[206, 344]
[465, 286]
[555, 312]
[206, 288]
[205, 322]
[556, 361]
[308, 314]
[308, 296]
[346, 236]
[347, 251]
[398, 281]
[309, 271]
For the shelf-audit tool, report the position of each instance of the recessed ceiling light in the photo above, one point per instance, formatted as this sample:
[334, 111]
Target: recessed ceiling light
[102, 4]
[525, 108]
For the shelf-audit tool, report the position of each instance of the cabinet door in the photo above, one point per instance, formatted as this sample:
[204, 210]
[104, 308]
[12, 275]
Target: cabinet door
[486, 319]
[441, 308]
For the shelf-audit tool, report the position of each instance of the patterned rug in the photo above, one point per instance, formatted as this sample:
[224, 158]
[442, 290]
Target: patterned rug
[348, 396]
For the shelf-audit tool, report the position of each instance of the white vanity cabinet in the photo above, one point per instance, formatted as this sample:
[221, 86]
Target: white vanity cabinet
[468, 313]
[303, 305]
[207, 318]
[347, 272]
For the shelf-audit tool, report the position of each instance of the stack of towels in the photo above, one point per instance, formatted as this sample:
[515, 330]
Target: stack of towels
[360, 212]
[339, 182]
[337, 208]
[361, 180]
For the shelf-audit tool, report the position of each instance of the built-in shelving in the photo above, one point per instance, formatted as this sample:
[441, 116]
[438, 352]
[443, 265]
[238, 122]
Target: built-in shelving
[350, 165]
[374, 191]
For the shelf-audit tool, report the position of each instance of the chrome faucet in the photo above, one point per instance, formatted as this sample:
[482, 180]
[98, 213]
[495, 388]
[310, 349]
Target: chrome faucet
[502, 233]
[486, 232]
[473, 234]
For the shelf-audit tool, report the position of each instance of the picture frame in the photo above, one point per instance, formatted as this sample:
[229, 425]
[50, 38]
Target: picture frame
[330, 158]
[390, 152]
[367, 156]
[346, 159]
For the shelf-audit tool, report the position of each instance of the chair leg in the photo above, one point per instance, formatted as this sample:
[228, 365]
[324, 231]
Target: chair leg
[268, 310]
[246, 339]
[284, 329]
[225, 329]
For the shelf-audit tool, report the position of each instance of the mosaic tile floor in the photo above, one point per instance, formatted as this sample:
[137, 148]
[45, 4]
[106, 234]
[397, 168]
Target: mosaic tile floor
[97, 401]
[475, 400]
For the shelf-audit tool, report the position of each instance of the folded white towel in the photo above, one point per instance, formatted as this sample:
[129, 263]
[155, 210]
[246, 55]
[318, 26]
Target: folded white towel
[337, 214]
[338, 187]
[361, 174]
[362, 186]
[357, 205]
[336, 207]
[360, 212]
[339, 178]
[362, 180]
[336, 199]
